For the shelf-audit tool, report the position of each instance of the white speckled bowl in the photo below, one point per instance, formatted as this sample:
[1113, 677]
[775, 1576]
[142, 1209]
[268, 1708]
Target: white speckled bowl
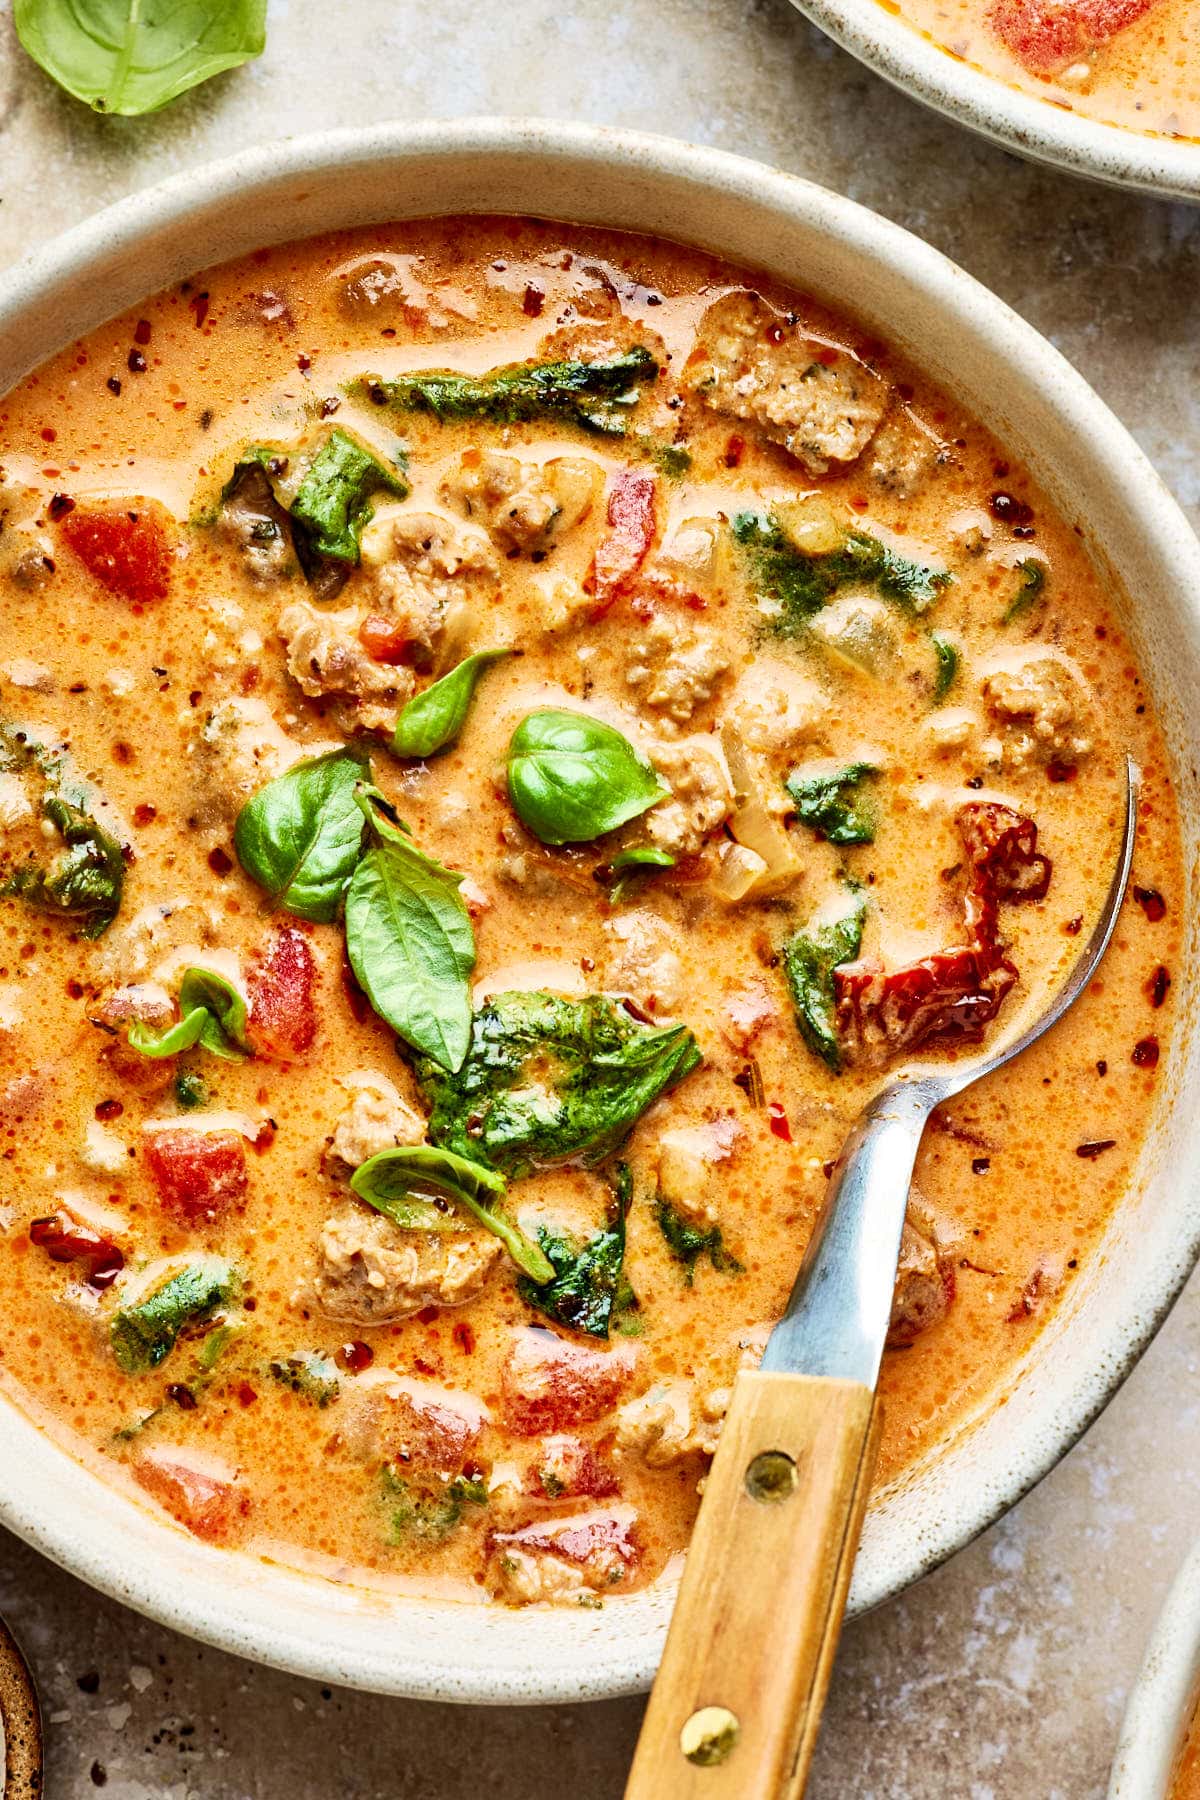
[1024, 390]
[1164, 1697]
[1032, 127]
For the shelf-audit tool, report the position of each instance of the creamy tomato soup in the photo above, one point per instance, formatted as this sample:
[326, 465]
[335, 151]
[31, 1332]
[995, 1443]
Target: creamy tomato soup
[1186, 1785]
[509, 733]
[1134, 63]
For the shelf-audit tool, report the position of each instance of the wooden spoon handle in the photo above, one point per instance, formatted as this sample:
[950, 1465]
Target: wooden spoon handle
[737, 1703]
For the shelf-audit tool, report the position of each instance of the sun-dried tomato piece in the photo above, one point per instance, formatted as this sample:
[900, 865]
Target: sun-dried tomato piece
[211, 1505]
[383, 640]
[1046, 35]
[281, 988]
[1004, 861]
[568, 1469]
[200, 1175]
[125, 549]
[949, 996]
[65, 1239]
[551, 1385]
[626, 544]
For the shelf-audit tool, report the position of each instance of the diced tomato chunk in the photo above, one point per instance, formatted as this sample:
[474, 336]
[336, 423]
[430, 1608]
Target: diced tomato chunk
[1045, 35]
[212, 1506]
[281, 986]
[603, 1543]
[566, 1468]
[383, 640]
[433, 1435]
[551, 1385]
[626, 544]
[126, 550]
[200, 1175]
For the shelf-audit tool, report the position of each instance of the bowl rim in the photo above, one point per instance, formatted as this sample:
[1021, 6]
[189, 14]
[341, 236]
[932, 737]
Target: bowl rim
[1164, 1695]
[1034, 128]
[52, 284]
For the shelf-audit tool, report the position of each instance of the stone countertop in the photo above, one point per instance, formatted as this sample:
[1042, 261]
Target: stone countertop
[1003, 1675]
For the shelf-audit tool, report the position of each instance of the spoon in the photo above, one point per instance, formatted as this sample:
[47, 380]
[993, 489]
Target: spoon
[737, 1703]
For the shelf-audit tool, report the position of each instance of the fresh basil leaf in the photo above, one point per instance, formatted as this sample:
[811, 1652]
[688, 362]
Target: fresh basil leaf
[333, 502]
[598, 396]
[549, 1079]
[800, 582]
[630, 869]
[212, 1015]
[410, 1185]
[571, 778]
[809, 959]
[409, 940]
[300, 836]
[143, 1335]
[947, 653]
[1032, 584]
[123, 56]
[590, 1287]
[434, 718]
[85, 877]
[832, 805]
[688, 1243]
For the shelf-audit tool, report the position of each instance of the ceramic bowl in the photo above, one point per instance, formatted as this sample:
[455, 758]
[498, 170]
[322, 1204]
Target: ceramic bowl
[1164, 1697]
[905, 56]
[1019, 386]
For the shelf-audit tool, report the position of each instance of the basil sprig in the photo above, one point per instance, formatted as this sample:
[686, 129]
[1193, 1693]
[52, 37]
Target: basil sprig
[409, 938]
[411, 1186]
[571, 777]
[433, 719]
[212, 1015]
[300, 837]
[122, 57]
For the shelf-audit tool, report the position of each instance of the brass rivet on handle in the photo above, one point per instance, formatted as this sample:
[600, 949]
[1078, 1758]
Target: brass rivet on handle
[709, 1735]
[772, 1475]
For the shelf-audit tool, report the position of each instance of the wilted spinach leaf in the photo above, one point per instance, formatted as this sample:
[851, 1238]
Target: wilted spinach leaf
[308, 1373]
[300, 836]
[947, 653]
[801, 582]
[430, 1511]
[84, 879]
[832, 804]
[1032, 584]
[590, 1286]
[125, 56]
[143, 1334]
[688, 1242]
[598, 396]
[546, 1079]
[809, 959]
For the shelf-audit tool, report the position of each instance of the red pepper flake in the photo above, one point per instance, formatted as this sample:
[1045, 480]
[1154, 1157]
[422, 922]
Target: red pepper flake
[774, 333]
[220, 862]
[181, 1396]
[136, 363]
[1145, 1053]
[60, 505]
[1157, 985]
[1009, 510]
[859, 502]
[199, 306]
[1102, 1067]
[144, 813]
[980, 1165]
[464, 1337]
[1096, 1148]
[1074, 926]
[1060, 771]
[778, 1120]
[65, 1240]
[829, 356]
[1030, 1295]
[354, 1356]
[1151, 903]
[735, 449]
[429, 1315]
[246, 1394]
[303, 363]
[532, 302]
[108, 1109]
[141, 332]
[49, 435]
